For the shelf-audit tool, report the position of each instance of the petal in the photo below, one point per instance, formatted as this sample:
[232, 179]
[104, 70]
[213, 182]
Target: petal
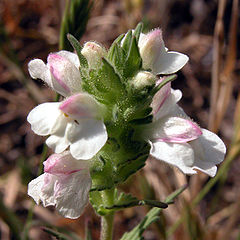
[80, 106]
[72, 57]
[58, 141]
[169, 62]
[63, 164]
[166, 104]
[38, 69]
[86, 137]
[155, 55]
[71, 193]
[178, 155]
[151, 46]
[34, 188]
[160, 97]
[47, 191]
[43, 118]
[67, 78]
[41, 189]
[209, 150]
[174, 129]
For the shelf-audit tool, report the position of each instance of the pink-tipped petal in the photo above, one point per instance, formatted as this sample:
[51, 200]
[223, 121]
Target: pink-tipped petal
[80, 106]
[201, 154]
[63, 163]
[155, 55]
[151, 45]
[72, 193]
[68, 193]
[167, 104]
[66, 76]
[175, 130]
[57, 66]
[160, 97]
[72, 57]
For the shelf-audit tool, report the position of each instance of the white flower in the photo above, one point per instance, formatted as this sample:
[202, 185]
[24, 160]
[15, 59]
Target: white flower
[178, 141]
[64, 184]
[73, 123]
[61, 72]
[156, 56]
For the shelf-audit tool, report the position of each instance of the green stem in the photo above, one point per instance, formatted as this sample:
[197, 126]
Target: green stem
[107, 226]
[62, 35]
[107, 220]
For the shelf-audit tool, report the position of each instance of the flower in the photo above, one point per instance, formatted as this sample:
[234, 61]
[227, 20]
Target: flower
[61, 72]
[75, 122]
[177, 140]
[64, 184]
[155, 55]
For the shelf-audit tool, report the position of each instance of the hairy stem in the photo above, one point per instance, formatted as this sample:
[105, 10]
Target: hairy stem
[107, 227]
[107, 220]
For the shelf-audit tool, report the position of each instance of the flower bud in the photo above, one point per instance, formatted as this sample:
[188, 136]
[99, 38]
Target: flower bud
[93, 52]
[144, 79]
[151, 46]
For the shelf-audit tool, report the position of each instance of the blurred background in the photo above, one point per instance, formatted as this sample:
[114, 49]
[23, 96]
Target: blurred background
[205, 30]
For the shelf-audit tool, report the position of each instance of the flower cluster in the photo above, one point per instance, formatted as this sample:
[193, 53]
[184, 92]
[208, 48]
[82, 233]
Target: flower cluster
[116, 113]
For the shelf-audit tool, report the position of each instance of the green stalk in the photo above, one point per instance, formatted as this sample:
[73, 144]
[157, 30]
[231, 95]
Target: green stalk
[107, 226]
[62, 34]
[107, 220]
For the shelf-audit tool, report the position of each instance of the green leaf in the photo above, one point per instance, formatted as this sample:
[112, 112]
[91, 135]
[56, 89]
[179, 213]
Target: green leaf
[169, 199]
[138, 31]
[136, 233]
[127, 41]
[122, 201]
[164, 82]
[74, 21]
[110, 77]
[134, 60]
[119, 39]
[117, 57]
[78, 48]
[152, 216]
[107, 82]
